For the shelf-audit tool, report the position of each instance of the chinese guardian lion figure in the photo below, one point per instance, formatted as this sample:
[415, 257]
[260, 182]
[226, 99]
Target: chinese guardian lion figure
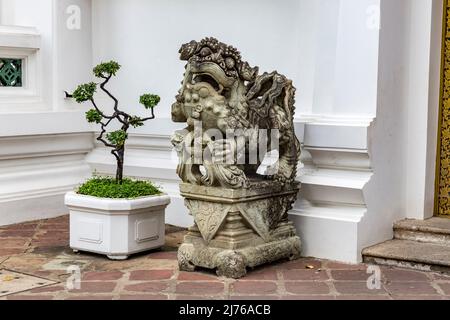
[234, 117]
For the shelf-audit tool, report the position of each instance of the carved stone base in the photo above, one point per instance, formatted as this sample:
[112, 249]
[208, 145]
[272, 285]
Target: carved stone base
[236, 229]
[234, 263]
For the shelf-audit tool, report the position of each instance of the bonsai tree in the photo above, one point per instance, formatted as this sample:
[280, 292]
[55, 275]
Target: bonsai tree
[115, 139]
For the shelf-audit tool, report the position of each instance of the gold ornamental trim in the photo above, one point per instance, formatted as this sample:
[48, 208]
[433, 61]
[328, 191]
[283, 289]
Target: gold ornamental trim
[442, 206]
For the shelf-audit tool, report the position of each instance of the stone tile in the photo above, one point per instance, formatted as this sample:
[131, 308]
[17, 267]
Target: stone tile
[345, 266]
[25, 263]
[258, 297]
[21, 226]
[17, 233]
[13, 282]
[9, 252]
[356, 287]
[350, 275]
[151, 275]
[102, 275]
[62, 218]
[196, 298]
[404, 275]
[53, 288]
[136, 264]
[7, 243]
[416, 297]
[55, 235]
[307, 287]
[63, 261]
[95, 287]
[441, 276]
[249, 287]
[52, 247]
[445, 287]
[54, 226]
[170, 255]
[307, 297]
[200, 288]
[29, 297]
[196, 276]
[49, 250]
[143, 297]
[363, 297]
[305, 274]
[262, 274]
[410, 288]
[147, 287]
[90, 297]
[303, 263]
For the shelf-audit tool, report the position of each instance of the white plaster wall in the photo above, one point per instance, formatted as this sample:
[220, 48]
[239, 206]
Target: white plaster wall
[43, 143]
[38, 14]
[385, 194]
[145, 36]
[72, 51]
[356, 59]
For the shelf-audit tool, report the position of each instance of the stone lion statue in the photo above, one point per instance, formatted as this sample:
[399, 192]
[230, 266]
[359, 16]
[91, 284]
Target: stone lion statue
[223, 94]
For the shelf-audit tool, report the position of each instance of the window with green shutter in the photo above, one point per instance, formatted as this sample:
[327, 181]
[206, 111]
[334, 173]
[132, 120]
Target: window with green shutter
[10, 72]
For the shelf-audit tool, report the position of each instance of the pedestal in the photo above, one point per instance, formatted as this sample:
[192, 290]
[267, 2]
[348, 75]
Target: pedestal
[236, 229]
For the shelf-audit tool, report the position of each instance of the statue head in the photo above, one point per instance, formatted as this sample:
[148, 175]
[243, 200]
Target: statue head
[223, 92]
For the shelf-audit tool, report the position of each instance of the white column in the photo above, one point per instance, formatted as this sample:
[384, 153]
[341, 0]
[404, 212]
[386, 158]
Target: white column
[337, 166]
[325, 56]
[423, 105]
[355, 91]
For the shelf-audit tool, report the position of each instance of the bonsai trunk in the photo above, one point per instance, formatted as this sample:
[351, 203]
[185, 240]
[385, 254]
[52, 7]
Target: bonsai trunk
[119, 171]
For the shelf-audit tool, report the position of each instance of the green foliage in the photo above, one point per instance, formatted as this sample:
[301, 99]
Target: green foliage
[105, 187]
[84, 92]
[149, 100]
[136, 122]
[117, 137]
[93, 116]
[106, 69]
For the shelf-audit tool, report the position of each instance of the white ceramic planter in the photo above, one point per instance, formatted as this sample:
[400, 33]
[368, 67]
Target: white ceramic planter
[116, 227]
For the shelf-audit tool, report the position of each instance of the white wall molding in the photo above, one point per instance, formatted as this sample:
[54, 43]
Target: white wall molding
[336, 168]
[36, 171]
[333, 179]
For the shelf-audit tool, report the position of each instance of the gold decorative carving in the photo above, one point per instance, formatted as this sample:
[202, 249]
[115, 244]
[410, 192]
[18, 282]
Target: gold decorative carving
[443, 160]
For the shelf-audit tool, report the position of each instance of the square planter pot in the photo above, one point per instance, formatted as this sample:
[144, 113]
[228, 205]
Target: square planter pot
[116, 227]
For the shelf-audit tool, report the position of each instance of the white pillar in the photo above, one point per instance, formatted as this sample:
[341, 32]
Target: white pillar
[333, 206]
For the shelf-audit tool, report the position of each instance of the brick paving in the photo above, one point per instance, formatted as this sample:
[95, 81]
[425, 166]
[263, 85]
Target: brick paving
[41, 249]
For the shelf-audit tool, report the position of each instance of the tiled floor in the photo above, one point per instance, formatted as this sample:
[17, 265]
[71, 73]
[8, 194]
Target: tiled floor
[41, 249]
